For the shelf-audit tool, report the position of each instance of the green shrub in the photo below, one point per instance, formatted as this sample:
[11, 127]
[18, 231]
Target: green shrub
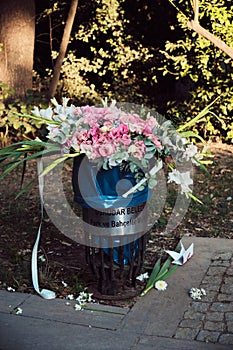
[202, 70]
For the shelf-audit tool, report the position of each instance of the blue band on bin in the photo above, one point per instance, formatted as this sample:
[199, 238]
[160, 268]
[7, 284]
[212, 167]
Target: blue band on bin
[102, 189]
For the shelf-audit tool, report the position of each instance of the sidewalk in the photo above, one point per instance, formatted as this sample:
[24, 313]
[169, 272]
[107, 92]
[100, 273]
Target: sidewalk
[168, 320]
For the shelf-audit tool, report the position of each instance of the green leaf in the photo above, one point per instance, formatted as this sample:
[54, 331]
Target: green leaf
[56, 162]
[15, 164]
[194, 197]
[24, 189]
[154, 273]
[198, 117]
[188, 134]
[39, 119]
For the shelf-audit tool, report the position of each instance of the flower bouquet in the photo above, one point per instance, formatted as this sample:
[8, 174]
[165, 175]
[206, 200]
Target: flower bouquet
[109, 136]
[109, 143]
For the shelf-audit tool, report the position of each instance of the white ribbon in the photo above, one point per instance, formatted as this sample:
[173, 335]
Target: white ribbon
[152, 172]
[44, 293]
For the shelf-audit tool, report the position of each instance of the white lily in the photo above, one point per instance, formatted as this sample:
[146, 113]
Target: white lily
[46, 113]
[54, 101]
[182, 179]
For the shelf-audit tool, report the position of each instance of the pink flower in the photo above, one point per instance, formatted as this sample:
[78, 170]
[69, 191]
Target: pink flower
[155, 141]
[90, 152]
[134, 122]
[149, 126]
[106, 150]
[94, 133]
[125, 140]
[138, 149]
[81, 135]
[77, 111]
[119, 131]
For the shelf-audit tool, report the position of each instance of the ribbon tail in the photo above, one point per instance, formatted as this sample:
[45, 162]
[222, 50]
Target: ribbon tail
[44, 293]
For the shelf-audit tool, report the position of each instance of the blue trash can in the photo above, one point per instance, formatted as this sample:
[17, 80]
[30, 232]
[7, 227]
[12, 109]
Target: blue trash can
[115, 226]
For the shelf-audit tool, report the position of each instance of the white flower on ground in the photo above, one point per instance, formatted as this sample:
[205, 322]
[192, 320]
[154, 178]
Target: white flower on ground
[70, 297]
[42, 258]
[161, 285]
[203, 291]
[77, 307]
[196, 293]
[18, 311]
[143, 276]
[84, 298]
[64, 284]
[10, 289]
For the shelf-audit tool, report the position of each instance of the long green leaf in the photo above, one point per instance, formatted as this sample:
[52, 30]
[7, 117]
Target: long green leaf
[54, 164]
[39, 119]
[16, 164]
[166, 273]
[165, 265]
[24, 189]
[171, 271]
[154, 273]
[198, 117]
[188, 134]
[161, 275]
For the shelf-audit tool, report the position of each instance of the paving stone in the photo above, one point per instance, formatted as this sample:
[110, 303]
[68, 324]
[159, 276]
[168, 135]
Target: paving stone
[228, 280]
[214, 326]
[220, 263]
[210, 287]
[214, 316]
[211, 295]
[210, 280]
[222, 307]
[229, 316]
[209, 319]
[223, 256]
[190, 323]
[216, 270]
[208, 336]
[186, 333]
[226, 339]
[229, 271]
[226, 288]
[225, 297]
[230, 327]
[192, 314]
[200, 306]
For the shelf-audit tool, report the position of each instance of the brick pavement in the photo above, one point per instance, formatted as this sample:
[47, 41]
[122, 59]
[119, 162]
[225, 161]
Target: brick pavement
[167, 320]
[211, 318]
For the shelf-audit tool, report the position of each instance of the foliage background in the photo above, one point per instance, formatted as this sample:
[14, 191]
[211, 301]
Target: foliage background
[137, 51]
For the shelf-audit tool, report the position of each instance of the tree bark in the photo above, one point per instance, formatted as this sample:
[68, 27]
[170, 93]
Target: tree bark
[63, 48]
[17, 34]
[194, 25]
[211, 37]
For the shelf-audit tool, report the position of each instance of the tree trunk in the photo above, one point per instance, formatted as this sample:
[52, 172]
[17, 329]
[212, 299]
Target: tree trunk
[17, 34]
[63, 48]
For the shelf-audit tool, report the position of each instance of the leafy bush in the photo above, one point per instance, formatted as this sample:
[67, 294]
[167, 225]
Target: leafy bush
[13, 126]
[202, 70]
[103, 60]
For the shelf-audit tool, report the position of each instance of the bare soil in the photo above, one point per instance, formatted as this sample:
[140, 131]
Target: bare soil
[61, 259]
